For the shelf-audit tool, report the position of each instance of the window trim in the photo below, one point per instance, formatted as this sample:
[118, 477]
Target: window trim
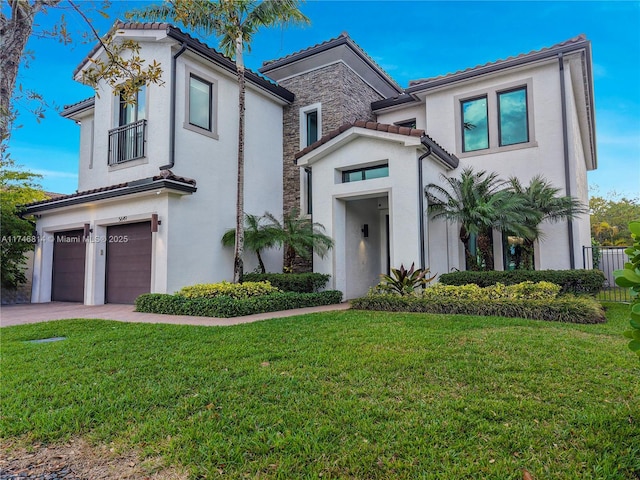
[316, 107]
[213, 106]
[493, 118]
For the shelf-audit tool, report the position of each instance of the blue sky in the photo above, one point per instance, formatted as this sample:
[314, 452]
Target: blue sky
[410, 40]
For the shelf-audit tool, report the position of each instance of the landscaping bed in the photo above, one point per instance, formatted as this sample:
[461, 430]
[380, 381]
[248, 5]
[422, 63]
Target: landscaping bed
[536, 301]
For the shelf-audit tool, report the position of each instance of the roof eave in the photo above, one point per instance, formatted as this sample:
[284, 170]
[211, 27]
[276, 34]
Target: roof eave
[487, 69]
[130, 189]
[229, 65]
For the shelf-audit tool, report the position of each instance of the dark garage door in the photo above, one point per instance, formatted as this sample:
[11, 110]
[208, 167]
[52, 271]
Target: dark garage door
[128, 262]
[69, 251]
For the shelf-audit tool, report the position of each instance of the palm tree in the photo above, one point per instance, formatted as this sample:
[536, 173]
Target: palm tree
[479, 202]
[234, 22]
[299, 236]
[545, 200]
[257, 237]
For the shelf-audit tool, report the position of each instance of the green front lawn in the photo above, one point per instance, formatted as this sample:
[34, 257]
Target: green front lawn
[348, 394]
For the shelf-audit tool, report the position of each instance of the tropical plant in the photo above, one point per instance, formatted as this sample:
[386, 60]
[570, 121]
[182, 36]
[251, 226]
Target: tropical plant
[234, 22]
[299, 236]
[544, 200]
[479, 202]
[629, 277]
[403, 281]
[17, 187]
[257, 237]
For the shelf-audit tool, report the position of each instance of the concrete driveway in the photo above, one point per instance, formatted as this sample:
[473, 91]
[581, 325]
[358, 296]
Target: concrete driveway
[43, 312]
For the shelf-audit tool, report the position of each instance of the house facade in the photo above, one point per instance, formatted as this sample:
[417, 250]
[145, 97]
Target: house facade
[330, 134]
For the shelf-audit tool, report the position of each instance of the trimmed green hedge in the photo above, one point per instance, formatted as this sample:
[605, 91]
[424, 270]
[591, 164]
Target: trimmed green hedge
[225, 307]
[291, 282]
[563, 309]
[234, 290]
[577, 282]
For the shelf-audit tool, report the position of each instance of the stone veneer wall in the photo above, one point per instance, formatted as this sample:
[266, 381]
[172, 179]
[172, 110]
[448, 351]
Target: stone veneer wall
[344, 98]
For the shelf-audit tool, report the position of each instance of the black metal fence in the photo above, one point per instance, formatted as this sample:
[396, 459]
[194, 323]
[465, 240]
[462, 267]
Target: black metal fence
[607, 259]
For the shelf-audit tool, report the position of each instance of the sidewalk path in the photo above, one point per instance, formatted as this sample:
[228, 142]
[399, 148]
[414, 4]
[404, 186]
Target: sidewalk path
[43, 312]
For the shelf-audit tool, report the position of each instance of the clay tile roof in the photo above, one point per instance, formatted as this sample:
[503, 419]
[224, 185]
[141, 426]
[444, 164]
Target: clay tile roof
[164, 176]
[380, 127]
[305, 50]
[68, 110]
[575, 40]
[196, 44]
[117, 26]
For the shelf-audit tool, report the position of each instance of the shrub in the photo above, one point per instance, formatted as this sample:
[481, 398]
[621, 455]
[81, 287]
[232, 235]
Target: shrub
[562, 309]
[522, 291]
[291, 282]
[577, 282]
[403, 281]
[225, 306]
[233, 290]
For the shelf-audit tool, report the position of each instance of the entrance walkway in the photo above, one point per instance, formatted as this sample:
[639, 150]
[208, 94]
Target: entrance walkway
[43, 312]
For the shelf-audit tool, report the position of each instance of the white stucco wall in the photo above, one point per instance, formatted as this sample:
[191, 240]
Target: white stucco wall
[99, 216]
[187, 248]
[543, 155]
[343, 207]
[198, 222]
[106, 118]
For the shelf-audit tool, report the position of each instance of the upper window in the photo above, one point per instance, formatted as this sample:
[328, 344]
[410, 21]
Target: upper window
[407, 123]
[133, 109]
[310, 132]
[512, 111]
[495, 119]
[311, 121]
[367, 173]
[201, 104]
[475, 126]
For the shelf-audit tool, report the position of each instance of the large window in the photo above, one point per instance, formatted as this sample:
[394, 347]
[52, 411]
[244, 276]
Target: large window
[512, 112]
[200, 93]
[367, 173]
[475, 127]
[127, 139]
[132, 109]
[495, 119]
[201, 103]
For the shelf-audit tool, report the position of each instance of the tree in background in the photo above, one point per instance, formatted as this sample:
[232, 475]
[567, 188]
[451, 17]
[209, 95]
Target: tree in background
[17, 187]
[610, 218]
[234, 22]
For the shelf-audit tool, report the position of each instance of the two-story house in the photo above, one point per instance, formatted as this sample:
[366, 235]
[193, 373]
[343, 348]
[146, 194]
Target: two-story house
[331, 134]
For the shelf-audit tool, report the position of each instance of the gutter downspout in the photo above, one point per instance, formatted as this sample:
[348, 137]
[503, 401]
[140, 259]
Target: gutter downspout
[172, 113]
[421, 204]
[565, 144]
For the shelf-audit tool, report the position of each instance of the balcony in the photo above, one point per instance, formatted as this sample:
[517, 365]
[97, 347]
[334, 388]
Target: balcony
[127, 143]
